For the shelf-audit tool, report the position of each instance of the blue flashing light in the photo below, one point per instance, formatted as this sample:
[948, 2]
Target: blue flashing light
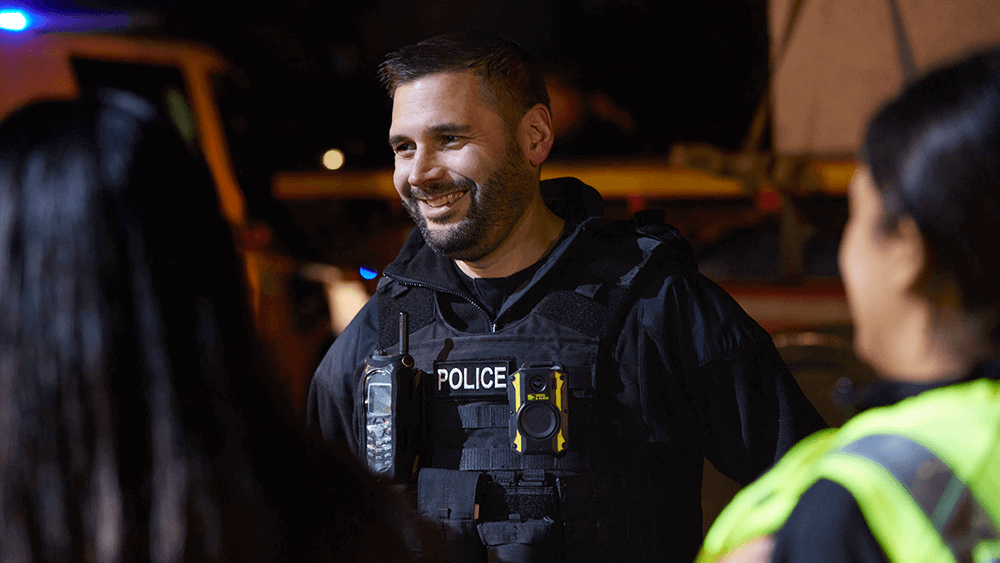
[13, 20]
[367, 273]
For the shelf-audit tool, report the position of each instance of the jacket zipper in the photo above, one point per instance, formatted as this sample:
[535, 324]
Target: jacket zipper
[491, 321]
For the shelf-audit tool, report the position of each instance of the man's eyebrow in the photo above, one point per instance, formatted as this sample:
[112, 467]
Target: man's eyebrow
[442, 129]
[448, 128]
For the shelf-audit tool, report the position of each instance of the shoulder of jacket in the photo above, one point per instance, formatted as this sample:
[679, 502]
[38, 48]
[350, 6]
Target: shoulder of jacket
[621, 249]
[646, 224]
[353, 344]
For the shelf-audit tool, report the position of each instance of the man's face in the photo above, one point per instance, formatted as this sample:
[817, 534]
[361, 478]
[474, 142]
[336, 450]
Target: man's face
[459, 170]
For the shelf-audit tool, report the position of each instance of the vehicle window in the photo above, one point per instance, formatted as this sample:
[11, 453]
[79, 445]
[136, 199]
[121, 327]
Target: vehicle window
[161, 85]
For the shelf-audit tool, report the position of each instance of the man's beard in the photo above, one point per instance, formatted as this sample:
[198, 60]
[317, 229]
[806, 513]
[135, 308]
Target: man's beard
[495, 206]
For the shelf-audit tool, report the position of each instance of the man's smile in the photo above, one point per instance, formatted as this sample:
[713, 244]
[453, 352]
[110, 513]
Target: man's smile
[443, 200]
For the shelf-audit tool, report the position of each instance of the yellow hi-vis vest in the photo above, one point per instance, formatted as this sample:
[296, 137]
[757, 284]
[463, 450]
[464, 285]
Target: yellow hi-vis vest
[925, 473]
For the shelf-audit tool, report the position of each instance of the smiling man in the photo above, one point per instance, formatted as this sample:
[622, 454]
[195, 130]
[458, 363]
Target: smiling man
[576, 373]
[465, 179]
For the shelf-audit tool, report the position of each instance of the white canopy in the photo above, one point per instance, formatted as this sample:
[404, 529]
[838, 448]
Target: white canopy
[841, 62]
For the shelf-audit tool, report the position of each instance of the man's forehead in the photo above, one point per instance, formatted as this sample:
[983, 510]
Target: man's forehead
[455, 91]
[457, 78]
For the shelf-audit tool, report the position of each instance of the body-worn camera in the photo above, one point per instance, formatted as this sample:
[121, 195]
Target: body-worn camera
[539, 419]
[391, 428]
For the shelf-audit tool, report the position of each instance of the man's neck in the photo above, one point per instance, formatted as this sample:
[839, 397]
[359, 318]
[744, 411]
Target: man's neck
[535, 234]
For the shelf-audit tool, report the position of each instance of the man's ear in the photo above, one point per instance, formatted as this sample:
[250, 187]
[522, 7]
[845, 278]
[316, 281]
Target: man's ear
[535, 134]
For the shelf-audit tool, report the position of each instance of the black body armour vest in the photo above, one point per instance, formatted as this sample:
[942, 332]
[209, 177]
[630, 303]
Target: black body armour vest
[588, 503]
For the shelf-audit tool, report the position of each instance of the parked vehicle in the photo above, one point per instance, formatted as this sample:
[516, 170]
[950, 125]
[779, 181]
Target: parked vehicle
[293, 300]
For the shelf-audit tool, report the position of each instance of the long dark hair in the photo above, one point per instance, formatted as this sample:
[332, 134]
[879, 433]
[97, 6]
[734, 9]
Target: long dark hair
[934, 153]
[138, 419]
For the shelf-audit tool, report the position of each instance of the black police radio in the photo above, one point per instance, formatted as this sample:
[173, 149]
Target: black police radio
[539, 419]
[391, 429]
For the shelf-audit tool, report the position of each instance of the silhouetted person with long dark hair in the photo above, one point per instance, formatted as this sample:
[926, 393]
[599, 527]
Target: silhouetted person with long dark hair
[138, 420]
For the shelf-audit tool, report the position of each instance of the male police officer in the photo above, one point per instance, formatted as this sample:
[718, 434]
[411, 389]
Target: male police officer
[576, 373]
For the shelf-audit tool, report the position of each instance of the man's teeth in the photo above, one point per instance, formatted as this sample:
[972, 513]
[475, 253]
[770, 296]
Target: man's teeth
[446, 199]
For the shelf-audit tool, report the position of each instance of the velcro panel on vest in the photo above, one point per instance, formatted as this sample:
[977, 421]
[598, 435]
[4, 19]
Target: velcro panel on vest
[589, 315]
[607, 263]
[417, 302]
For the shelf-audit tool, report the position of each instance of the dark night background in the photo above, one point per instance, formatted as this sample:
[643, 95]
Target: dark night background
[647, 73]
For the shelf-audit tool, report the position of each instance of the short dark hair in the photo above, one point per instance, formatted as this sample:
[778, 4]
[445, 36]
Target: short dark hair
[514, 84]
[934, 154]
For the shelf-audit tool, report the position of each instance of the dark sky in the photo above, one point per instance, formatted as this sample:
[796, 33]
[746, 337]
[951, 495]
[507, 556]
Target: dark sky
[690, 70]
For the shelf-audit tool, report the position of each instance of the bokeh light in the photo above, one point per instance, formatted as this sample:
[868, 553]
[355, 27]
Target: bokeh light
[333, 159]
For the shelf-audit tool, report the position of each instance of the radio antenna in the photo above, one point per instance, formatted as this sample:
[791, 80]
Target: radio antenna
[404, 334]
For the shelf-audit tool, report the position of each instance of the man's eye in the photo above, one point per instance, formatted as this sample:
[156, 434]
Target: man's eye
[449, 139]
[402, 148]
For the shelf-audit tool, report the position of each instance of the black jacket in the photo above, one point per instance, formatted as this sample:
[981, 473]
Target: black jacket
[696, 376]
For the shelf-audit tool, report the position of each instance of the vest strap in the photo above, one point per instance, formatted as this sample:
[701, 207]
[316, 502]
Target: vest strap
[471, 416]
[954, 512]
[492, 459]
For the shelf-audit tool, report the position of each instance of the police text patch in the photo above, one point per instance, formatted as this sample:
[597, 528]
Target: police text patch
[471, 378]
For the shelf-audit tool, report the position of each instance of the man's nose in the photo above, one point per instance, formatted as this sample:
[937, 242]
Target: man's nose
[424, 167]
